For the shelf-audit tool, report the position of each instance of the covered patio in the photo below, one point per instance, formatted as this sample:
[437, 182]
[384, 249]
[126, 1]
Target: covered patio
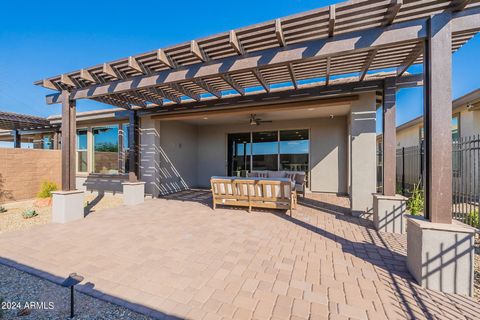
[275, 65]
[174, 257]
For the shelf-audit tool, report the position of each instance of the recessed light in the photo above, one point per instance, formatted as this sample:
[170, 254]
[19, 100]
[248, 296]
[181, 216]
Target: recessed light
[205, 118]
[311, 109]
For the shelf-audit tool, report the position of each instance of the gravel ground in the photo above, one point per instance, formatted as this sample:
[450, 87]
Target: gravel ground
[20, 287]
[477, 267]
[12, 220]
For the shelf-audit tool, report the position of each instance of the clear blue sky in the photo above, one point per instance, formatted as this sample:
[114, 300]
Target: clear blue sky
[40, 39]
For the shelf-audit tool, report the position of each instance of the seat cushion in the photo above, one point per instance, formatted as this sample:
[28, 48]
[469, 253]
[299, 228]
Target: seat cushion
[276, 174]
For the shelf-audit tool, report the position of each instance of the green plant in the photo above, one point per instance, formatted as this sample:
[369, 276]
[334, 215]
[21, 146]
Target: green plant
[473, 219]
[2, 209]
[46, 189]
[29, 213]
[415, 203]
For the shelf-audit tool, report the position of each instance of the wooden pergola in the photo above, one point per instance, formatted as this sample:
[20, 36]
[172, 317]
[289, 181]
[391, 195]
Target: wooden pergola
[354, 37]
[22, 123]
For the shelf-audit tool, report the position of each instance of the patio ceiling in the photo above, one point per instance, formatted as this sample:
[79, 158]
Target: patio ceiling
[347, 38]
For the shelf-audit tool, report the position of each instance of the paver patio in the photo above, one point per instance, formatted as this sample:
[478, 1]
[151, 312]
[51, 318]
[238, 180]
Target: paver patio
[178, 257]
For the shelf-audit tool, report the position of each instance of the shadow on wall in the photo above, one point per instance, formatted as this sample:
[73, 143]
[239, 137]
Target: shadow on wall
[171, 180]
[5, 194]
[87, 288]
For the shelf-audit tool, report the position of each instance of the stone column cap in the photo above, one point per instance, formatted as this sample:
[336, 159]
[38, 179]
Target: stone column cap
[455, 226]
[385, 197]
[63, 192]
[133, 183]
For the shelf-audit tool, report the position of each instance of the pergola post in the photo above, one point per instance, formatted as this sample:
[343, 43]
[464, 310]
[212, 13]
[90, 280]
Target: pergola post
[389, 136]
[133, 190]
[67, 205]
[438, 120]
[56, 140]
[440, 254]
[389, 208]
[69, 129]
[133, 139]
[16, 138]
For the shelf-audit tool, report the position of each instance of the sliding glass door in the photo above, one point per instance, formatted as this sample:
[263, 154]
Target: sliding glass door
[268, 150]
[265, 150]
[239, 152]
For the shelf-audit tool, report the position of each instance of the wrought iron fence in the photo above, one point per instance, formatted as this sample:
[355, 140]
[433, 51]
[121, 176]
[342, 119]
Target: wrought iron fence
[465, 179]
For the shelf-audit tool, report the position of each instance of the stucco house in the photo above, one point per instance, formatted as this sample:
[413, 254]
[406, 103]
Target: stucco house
[465, 122]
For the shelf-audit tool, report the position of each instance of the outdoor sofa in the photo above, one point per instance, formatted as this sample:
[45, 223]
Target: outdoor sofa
[273, 193]
[298, 177]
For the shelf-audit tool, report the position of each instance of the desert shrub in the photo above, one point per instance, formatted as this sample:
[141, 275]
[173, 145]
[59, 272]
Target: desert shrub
[46, 189]
[473, 219]
[2, 209]
[415, 203]
[29, 213]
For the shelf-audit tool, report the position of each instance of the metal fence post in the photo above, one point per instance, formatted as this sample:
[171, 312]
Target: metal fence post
[403, 170]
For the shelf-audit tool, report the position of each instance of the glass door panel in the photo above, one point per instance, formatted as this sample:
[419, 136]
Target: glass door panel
[294, 148]
[239, 152]
[265, 150]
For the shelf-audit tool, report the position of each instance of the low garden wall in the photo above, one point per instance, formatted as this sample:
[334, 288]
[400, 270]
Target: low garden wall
[22, 171]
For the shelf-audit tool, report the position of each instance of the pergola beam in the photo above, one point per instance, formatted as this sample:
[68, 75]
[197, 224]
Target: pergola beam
[165, 94]
[108, 70]
[134, 65]
[368, 63]
[410, 59]
[293, 77]
[279, 33]
[66, 80]
[359, 41]
[198, 52]
[186, 92]
[235, 43]
[233, 84]
[459, 5]
[165, 59]
[205, 86]
[327, 71]
[258, 75]
[331, 20]
[392, 11]
[86, 76]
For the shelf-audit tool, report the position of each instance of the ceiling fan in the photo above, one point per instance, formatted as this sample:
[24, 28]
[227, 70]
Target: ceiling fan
[254, 121]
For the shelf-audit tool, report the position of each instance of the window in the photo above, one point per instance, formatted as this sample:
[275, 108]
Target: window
[294, 146]
[82, 158]
[239, 151]
[270, 150]
[105, 149]
[265, 150]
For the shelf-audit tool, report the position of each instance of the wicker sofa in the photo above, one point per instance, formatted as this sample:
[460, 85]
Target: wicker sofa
[299, 177]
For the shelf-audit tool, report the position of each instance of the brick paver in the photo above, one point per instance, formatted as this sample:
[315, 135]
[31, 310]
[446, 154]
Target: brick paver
[179, 257]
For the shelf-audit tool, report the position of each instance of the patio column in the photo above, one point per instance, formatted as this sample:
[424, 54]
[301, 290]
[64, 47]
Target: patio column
[56, 142]
[389, 136]
[440, 254]
[389, 208]
[438, 120]
[69, 131]
[67, 205]
[133, 140]
[16, 138]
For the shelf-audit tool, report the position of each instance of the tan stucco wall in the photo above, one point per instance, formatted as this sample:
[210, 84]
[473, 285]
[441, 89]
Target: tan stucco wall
[22, 172]
[328, 150]
[409, 136]
[178, 158]
[362, 158]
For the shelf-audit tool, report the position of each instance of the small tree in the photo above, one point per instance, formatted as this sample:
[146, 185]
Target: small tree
[416, 202]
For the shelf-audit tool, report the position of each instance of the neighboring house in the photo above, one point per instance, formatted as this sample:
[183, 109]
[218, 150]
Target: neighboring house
[465, 122]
